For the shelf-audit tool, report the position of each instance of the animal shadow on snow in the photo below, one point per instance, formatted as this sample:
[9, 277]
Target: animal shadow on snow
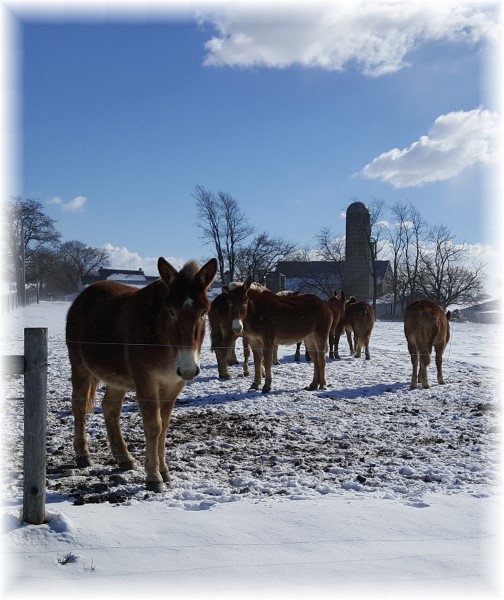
[364, 391]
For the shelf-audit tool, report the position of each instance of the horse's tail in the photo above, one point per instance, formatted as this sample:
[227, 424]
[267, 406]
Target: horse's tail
[91, 397]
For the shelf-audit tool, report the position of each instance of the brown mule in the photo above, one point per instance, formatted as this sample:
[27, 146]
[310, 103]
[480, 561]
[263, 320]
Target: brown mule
[148, 340]
[268, 319]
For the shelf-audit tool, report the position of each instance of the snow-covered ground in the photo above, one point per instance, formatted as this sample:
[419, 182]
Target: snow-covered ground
[365, 489]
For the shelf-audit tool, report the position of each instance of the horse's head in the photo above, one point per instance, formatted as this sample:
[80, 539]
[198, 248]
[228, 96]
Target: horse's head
[185, 304]
[238, 304]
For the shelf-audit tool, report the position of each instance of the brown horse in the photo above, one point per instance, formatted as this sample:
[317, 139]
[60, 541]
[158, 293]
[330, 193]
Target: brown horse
[268, 319]
[148, 340]
[426, 326]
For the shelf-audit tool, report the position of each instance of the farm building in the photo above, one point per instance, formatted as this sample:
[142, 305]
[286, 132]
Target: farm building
[136, 278]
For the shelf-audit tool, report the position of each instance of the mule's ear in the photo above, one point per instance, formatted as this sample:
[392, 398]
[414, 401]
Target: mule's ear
[167, 272]
[448, 315]
[207, 273]
[247, 284]
[342, 296]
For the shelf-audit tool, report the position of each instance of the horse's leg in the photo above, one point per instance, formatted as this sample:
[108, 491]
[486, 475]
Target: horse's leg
[297, 355]
[112, 405]
[268, 352]
[439, 363]
[246, 357]
[83, 392]
[258, 360]
[152, 423]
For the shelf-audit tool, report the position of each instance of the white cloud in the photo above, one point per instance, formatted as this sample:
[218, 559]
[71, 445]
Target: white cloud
[456, 141]
[75, 205]
[374, 35]
[122, 258]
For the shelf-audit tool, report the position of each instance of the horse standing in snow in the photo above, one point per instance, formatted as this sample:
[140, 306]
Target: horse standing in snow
[268, 319]
[426, 326]
[148, 340]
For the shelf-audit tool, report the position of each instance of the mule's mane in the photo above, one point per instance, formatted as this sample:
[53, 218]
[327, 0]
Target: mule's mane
[254, 286]
[190, 269]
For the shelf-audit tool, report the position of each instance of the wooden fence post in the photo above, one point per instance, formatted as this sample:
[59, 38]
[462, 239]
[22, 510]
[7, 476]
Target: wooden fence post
[35, 425]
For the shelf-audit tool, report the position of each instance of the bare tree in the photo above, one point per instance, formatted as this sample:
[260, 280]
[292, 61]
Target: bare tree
[406, 238]
[28, 231]
[443, 277]
[259, 258]
[224, 227]
[74, 260]
[329, 247]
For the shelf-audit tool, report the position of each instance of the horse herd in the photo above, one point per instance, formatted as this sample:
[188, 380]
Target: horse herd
[149, 340]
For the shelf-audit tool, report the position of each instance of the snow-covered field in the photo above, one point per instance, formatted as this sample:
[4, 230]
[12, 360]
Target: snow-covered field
[363, 489]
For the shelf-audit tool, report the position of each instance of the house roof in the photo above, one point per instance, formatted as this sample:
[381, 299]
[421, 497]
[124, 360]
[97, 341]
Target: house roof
[314, 268]
[121, 275]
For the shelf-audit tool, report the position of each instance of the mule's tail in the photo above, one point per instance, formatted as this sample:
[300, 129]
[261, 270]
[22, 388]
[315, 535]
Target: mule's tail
[91, 397]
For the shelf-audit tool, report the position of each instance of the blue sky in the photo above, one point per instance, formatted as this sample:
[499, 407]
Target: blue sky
[295, 114]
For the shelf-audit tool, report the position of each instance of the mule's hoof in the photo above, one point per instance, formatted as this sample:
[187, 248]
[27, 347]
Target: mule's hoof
[83, 462]
[154, 486]
[266, 390]
[166, 477]
[224, 377]
[126, 465]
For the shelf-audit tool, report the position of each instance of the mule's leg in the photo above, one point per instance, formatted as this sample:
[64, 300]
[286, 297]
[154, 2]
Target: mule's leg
[222, 362]
[425, 358]
[258, 361]
[439, 363]
[317, 349]
[357, 344]
[368, 355]
[413, 351]
[83, 391]
[349, 341]
[112, 405]
[166, 412]
[231, 356]
[332, 335]
[338, 330]
[275, 355]
[246, 357]
[268, 352]
[297, 355]
[152, 423]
